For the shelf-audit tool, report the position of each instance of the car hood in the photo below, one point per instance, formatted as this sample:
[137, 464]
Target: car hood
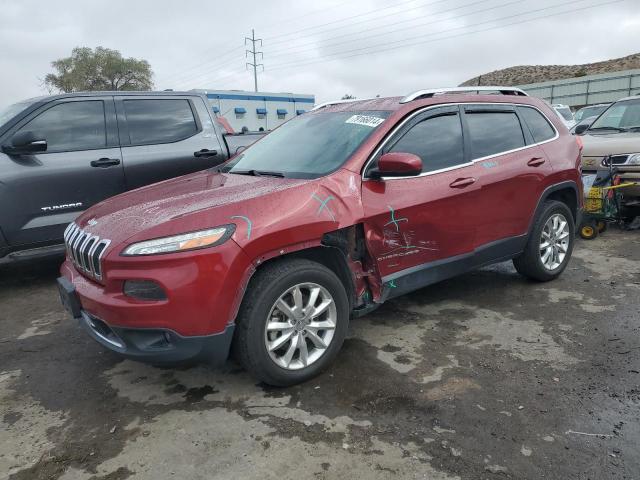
[599, 145]
[180, 205]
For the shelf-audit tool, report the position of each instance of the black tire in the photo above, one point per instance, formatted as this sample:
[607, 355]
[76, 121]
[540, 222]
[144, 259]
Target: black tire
[602, 226]
[529, 263]
[267, 285]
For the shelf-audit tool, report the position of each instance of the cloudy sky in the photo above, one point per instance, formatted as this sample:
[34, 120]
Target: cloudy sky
[327, 48]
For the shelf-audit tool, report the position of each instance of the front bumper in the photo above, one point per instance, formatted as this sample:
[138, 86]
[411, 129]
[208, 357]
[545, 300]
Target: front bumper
[203, 290]
[152, 345]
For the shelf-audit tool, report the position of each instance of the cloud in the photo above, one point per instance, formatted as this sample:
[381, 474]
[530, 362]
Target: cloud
[200, 44]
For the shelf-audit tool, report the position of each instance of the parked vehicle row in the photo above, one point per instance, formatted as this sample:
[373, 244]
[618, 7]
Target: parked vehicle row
[61, 154]
[327, 217]
[565, 114]
[590, 111]
[615, 136]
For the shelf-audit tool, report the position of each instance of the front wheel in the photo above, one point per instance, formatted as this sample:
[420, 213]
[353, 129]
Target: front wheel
[550, 243]
[292, 322]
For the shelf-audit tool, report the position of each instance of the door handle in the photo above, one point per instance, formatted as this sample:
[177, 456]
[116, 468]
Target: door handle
[536, 161]
[462, 182]
[105, 162]
[205, 153]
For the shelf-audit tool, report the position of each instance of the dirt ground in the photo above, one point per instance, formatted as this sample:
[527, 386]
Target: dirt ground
[480, 377]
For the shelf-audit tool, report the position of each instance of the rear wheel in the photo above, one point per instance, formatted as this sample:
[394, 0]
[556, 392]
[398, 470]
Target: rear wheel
[550, 243]
[292, 322]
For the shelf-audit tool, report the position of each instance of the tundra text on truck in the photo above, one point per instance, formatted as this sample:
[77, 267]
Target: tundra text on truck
[61, 154]
[325, 218]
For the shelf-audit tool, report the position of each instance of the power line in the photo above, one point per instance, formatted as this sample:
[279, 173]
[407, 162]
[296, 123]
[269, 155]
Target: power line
[351, 23]
[368, 29]
[222, 74]
[324, 24]
[312, 12]
[185, 72]
[253, 51]
[182, 73]
[299, 63]
[402, 45]
[195, 67]
[379, 48]
[378, 34]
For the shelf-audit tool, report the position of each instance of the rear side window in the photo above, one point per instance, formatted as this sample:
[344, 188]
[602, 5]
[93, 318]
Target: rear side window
[159, 120]
[437, 141]
[493, 132]
[539, 126]
[71, 126]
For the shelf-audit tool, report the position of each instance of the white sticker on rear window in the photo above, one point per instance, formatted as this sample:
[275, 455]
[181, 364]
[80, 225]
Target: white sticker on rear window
[366, 120]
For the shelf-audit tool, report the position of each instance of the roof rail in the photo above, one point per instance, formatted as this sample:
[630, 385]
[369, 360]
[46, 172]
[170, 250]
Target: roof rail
[338, 102]
[440, 91]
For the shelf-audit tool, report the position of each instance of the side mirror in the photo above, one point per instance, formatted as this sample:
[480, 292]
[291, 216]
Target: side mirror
[25, 142]
[580, 129]
[397, 164]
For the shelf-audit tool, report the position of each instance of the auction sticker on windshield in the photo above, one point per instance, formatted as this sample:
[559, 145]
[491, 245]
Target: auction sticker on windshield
[366, 120]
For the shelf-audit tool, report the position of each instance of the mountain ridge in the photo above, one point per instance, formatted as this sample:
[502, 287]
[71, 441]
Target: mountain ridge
[526, 74]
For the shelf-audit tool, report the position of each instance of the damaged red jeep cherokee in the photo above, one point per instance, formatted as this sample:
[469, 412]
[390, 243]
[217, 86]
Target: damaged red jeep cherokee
[324, 219]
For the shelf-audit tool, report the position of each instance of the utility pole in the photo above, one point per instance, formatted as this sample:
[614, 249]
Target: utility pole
[253, 51]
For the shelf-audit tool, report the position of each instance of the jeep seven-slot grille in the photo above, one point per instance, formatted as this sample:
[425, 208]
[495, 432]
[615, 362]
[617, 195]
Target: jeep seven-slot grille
[85, 250]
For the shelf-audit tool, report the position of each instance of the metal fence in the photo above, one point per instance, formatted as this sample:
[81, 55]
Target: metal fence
[589, 90]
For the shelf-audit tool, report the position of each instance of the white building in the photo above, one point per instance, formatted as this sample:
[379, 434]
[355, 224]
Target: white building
[257, 110]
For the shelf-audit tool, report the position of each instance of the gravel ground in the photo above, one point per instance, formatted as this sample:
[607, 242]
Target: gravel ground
[480, 377]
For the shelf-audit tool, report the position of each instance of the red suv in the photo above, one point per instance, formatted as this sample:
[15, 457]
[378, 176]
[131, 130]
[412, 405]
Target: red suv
[324, 219]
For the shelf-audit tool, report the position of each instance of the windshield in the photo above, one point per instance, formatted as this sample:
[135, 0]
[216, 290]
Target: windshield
[308, 146]
[621, 116]
[565, 112]
[12, 110]
[589, 112]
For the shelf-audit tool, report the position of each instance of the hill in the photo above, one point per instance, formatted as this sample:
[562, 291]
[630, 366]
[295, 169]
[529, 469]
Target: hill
[525, 74]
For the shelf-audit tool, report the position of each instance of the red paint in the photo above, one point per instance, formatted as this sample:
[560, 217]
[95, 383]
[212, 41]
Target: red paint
[398, 162]
[407, 222]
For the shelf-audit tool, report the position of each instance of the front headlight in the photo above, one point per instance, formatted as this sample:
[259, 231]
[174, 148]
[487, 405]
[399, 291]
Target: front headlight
[633, 159]
[182, 242]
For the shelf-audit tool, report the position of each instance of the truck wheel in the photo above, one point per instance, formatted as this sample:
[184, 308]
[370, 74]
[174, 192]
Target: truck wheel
[549, 245]
[292, 322]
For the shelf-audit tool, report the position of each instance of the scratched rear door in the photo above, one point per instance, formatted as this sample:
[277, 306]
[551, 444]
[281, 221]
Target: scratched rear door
[413, 221]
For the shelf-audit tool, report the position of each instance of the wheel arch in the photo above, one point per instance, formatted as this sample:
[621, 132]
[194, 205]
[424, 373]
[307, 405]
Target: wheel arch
[331, 257]
[342, 251]
[566, 192]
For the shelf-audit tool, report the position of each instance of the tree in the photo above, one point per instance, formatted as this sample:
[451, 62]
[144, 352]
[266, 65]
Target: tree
[348, 97]
[99, 69]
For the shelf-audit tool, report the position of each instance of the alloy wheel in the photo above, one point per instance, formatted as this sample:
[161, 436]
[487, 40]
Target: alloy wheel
[300, 326]
[554, 241]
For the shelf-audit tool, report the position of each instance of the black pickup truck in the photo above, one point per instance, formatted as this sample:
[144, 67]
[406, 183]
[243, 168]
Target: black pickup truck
[61, 154]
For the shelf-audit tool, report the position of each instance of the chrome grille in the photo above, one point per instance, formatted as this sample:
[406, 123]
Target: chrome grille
[85, 250]
[615, 160]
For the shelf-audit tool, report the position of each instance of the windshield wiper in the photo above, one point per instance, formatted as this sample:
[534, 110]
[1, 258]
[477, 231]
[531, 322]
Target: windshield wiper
[635, 128]
[258, 173]
[617, 129]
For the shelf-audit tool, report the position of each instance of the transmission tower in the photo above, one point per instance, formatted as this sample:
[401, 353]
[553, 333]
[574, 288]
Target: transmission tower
[254, 52]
